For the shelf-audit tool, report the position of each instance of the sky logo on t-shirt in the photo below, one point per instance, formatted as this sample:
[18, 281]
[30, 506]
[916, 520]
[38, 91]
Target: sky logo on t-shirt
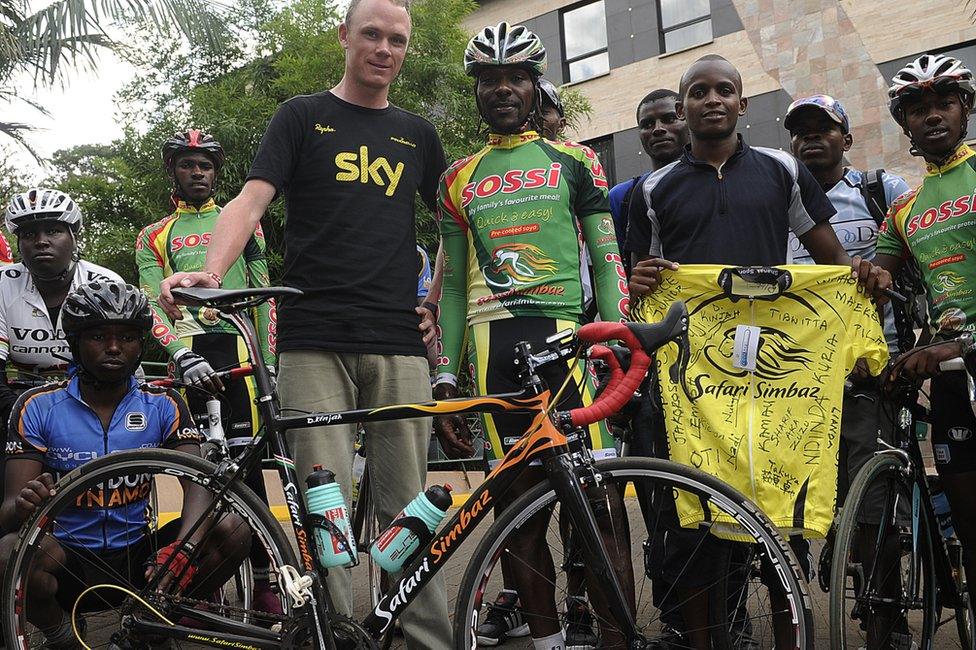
[357, 167]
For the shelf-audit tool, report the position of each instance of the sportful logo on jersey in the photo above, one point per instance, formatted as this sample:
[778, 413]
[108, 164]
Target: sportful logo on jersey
[357, 167]
[135, 421]
[513, 181]
[518, 264]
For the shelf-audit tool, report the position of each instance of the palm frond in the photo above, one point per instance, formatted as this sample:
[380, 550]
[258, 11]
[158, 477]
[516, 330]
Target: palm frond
[16, 131]
[11, 96]
[70, 31]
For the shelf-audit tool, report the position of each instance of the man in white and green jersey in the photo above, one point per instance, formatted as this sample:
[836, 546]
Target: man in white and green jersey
[513, 220]
[931, 99]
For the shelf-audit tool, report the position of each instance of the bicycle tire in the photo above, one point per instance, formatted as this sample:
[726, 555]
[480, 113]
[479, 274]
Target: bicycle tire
[90, 476]
[888, 468]
[965, 620]
[966, 625]
[366, 528]
[622, 472]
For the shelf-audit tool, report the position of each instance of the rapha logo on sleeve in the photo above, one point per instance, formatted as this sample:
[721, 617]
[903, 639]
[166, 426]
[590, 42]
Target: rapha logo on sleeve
[135, 421]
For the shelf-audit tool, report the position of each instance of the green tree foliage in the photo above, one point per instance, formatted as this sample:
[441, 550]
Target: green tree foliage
[276, 52]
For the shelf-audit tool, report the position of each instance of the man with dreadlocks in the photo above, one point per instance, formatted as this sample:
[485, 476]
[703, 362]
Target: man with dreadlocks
[201, 342]
[511, 218]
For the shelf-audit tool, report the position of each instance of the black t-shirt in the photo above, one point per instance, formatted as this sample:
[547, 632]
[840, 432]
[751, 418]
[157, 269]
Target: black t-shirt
[688, 213]
[350, 175]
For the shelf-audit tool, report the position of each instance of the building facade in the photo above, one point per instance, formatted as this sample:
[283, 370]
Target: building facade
[616, 51]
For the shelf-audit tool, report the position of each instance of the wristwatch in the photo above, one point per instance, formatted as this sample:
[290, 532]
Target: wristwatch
[432, 307]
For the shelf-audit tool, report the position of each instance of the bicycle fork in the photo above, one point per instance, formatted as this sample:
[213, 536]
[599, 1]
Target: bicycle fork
[569, 490]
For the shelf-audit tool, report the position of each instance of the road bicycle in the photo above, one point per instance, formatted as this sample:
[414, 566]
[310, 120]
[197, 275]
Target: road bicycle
[573, 486]
[895, 579]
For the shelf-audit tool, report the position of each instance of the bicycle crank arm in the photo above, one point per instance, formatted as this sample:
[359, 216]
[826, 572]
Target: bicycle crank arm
[262, 639]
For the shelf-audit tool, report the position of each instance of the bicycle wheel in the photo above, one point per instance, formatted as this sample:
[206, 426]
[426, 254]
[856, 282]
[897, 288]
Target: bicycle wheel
[241, 591]
[636, 536]
[965, 621]
[366, 528]
[52, 550]
[882, 592]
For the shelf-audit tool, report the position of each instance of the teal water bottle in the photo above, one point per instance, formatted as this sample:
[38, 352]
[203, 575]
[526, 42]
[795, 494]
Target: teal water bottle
[325, 498]
[392, 548]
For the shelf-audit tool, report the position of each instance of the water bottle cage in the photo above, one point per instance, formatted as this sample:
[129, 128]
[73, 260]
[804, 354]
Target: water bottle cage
[416, 526]
[318, 521]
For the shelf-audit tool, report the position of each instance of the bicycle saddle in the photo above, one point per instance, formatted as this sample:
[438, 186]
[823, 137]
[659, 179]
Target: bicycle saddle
[224, 298]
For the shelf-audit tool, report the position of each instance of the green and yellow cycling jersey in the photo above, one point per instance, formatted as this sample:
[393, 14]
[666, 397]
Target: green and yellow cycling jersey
[513, 219]
[936, 224]
[761, 406]
[179, 243]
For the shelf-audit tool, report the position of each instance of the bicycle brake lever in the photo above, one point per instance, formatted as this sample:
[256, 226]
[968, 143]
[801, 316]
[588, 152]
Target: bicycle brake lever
[679, 369]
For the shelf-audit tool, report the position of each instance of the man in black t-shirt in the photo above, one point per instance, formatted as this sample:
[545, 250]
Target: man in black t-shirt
[724, 202]
[349, 165]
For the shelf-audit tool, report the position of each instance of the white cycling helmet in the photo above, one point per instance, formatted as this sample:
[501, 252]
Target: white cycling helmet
[938, 72]
[42, 204]
[505, 44]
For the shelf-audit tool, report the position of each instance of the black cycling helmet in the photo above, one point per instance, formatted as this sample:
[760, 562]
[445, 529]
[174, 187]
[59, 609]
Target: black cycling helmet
[101, 302]
[192, 140]
[550, 96]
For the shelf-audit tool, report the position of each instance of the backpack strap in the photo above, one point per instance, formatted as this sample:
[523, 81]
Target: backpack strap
[625, 211]
[872, 189]
[625, 204]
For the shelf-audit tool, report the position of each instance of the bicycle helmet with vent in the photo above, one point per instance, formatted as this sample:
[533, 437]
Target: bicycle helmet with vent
[105, 302]
[505, 44]
[192, 140]
[550, 95]
[42, 204]
[937, 72]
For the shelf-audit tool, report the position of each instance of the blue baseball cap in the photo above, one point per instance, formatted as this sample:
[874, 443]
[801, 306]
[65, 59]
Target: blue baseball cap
[833, 108]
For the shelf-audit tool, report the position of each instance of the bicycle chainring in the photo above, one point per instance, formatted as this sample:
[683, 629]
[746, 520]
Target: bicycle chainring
[350, 635]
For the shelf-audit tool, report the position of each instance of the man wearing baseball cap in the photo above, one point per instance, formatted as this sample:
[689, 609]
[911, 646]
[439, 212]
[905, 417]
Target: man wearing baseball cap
[820, 135]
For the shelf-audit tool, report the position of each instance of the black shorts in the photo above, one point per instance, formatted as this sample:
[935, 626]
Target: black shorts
[125, 567]
[953, 424]
[491, 354]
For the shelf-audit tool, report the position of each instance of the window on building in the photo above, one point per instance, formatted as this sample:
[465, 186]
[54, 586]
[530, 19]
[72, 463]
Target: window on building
[584, 30]
[604, 150]
[684, 23]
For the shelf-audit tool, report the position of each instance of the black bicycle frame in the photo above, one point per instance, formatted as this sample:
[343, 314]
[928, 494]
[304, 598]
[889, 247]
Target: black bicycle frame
[943, 566]
[543, 440]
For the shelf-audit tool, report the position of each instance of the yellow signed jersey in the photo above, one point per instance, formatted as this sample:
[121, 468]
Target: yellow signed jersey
[761, 405]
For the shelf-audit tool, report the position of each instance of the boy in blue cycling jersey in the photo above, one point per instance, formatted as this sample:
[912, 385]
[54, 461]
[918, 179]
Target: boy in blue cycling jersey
[100, 409]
